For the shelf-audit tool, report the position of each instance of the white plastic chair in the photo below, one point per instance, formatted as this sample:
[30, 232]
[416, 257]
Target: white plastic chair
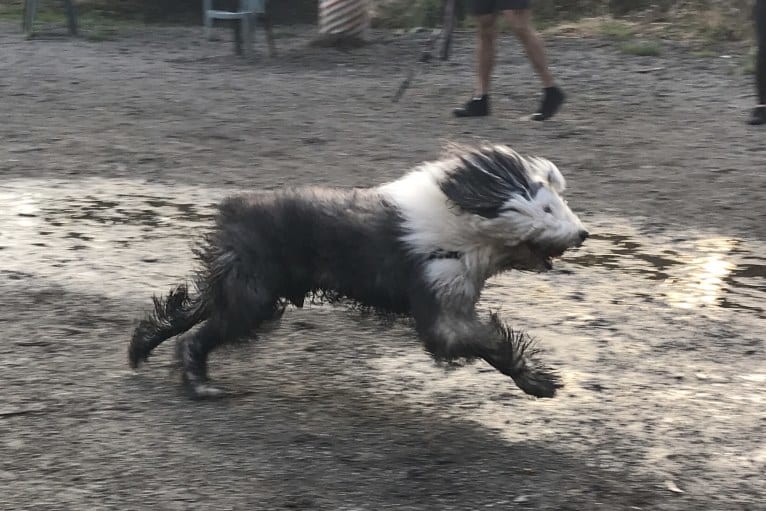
[246, 13]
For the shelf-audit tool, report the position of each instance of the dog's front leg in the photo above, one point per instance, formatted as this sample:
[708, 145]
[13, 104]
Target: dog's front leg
[512, 353]
[450, 333]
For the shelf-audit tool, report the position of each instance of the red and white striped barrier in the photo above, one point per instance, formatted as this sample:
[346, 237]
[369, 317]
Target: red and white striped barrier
[343, 17]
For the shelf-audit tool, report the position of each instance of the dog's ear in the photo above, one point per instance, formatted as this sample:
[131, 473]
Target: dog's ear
[556, 180]
[483, 180]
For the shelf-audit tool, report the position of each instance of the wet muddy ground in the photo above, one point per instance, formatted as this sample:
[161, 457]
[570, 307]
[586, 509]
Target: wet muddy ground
[113, 154]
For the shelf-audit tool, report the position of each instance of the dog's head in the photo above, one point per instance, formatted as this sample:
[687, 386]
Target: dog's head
[516, 203]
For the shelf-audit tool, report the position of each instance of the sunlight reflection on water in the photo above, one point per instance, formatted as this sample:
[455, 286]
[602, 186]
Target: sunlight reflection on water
[94, 232]
[703, 280]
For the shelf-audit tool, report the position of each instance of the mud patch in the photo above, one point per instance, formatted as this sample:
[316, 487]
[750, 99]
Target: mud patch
[116, 151]
[114, 236]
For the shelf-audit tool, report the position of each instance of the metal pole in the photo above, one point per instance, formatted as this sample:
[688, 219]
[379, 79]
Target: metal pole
[71, 12]
[448, 26]
[30, 10]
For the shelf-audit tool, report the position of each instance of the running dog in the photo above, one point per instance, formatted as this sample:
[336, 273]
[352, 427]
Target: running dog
[421, 246]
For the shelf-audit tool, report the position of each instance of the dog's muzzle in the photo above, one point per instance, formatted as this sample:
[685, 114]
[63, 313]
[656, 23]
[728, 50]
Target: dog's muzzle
[548, 252]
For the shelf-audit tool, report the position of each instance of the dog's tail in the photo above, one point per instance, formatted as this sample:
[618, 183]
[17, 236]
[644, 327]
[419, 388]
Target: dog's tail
[174, 314]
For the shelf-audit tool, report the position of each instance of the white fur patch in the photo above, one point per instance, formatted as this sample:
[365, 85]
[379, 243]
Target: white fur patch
[430, 221]
[448, 276]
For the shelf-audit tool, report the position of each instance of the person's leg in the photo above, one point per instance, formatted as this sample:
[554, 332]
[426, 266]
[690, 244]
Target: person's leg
[486, 34]
[519, 18]
[758, 115]
[520, 21]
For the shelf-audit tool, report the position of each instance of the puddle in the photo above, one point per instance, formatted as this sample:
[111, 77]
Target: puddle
[690, 270]
[111, 236]
[622, 273]
[100, 235]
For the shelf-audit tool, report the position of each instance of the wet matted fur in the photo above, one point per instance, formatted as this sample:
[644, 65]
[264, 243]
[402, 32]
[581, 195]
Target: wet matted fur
[422, 246]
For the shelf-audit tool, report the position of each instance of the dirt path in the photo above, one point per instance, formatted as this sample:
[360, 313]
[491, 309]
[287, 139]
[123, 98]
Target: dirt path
[113, 153]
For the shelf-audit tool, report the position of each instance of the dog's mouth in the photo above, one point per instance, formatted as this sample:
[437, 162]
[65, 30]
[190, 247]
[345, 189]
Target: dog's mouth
[547, 255]
[532, 257]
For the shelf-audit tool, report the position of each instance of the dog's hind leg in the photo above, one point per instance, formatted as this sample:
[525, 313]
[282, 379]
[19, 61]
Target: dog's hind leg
[174, 314]
[241, 304]
[192, 351]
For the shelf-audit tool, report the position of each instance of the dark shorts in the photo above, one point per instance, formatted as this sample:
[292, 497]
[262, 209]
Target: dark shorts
[482, 7]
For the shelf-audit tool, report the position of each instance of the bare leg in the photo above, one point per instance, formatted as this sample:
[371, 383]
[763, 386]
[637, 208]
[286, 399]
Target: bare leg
[520, 22]
[486, 37]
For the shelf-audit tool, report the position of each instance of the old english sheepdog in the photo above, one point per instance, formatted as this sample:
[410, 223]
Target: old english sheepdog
[421, 246]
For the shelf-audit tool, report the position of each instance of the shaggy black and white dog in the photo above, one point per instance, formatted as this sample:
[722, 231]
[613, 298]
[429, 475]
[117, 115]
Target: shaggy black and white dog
[421, 246]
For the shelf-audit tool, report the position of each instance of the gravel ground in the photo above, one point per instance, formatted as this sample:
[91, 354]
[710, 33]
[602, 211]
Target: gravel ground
[114, 152]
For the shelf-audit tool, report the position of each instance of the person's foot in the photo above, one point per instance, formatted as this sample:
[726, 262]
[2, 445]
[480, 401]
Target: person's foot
[553, 98]
[474, 107]
[758, 116]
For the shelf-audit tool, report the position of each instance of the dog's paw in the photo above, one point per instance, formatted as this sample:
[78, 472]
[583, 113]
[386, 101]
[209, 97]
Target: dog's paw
[136, 356]
[200, 391]
[517, 357]
[538, 382]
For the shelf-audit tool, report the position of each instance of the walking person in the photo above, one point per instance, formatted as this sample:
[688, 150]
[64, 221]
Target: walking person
[518, 14]
[758, 115]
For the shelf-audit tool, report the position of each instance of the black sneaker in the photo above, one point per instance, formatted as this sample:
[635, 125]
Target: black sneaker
[758, 116]
[553, 98]
[474, 107]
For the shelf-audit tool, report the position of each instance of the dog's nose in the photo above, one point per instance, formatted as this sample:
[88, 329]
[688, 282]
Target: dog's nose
[584, 235]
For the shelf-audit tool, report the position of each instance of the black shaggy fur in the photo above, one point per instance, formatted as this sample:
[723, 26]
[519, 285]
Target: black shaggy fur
[270, 249]
[486, 180]
[174, 315]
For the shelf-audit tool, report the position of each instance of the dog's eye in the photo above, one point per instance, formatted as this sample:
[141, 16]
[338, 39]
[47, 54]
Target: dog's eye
[547, 209]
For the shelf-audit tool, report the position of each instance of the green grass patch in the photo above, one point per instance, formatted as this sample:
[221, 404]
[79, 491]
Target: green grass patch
[615, 29]
[11, 11]
[543, 24]
[715, 27]
[407, 14]
[99, 33]
[642, 48]
[92, 24]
